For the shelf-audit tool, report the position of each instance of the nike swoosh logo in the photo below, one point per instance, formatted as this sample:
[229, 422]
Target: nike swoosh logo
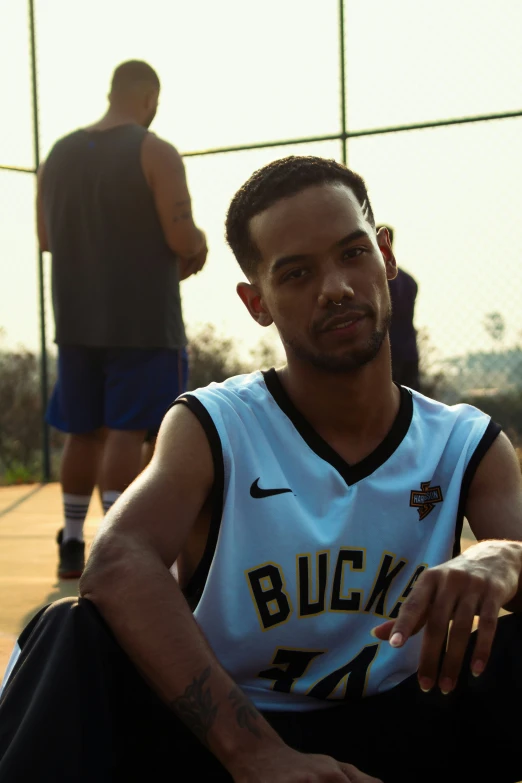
[257, 492]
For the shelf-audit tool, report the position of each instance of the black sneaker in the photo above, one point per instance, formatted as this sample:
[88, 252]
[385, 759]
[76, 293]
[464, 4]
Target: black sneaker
[72, 557]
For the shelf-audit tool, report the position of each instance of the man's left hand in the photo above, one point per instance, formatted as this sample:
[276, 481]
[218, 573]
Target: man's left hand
[193, 265]
[479, 582]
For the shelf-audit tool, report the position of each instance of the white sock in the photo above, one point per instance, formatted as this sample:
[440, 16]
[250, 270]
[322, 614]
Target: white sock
[75, 509]
[109, 497]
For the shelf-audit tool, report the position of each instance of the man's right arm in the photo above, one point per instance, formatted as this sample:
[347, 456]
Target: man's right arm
[165, 173]
[127, 577]
[41, 229]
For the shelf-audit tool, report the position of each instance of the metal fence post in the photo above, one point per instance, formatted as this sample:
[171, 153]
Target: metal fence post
[342, 75]
[46, 460]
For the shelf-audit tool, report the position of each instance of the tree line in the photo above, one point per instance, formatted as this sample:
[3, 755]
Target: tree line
[490, 380]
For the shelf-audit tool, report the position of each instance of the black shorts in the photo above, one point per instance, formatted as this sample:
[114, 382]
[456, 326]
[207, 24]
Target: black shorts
[76, 709]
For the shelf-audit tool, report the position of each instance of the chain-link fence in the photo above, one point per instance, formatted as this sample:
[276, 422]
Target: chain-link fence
[425, 104]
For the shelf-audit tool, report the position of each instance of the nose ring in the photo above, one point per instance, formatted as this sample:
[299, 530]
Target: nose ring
[337, 304]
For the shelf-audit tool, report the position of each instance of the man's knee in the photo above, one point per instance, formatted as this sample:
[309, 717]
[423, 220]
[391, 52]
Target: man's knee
[124, 438]
[56, 616]
[50, 615]
[60, 607]
[97, 436]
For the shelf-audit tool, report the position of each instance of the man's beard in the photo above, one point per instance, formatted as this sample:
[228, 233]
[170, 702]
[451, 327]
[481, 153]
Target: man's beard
[351, 361]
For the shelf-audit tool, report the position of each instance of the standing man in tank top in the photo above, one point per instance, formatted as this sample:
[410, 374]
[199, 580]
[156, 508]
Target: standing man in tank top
[114, 209]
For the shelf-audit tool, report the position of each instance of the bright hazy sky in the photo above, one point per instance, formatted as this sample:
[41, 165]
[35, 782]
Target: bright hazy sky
[239, 71]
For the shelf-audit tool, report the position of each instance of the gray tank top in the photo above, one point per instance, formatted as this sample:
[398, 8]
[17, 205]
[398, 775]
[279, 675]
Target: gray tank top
[115, 281]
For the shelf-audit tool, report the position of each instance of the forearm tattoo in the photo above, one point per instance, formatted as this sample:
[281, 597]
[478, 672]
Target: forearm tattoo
[195, 707]
[246, 713]
[187, 215]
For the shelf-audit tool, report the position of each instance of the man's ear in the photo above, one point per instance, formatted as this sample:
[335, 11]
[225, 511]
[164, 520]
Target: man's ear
[385, 246]
[253, 301]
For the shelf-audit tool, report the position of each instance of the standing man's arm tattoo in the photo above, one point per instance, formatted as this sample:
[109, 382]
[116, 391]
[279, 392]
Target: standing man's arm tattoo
[183, 211]
[195, 707]
[246, 713]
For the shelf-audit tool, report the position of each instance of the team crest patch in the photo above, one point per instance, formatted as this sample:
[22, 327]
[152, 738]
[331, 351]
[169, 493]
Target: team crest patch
[424, 499]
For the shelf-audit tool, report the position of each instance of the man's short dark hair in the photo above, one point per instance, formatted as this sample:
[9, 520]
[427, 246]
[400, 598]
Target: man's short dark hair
[282, 179]
[129, 74]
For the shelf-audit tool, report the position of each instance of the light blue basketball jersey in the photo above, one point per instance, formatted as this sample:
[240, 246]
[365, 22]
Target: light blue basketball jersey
[307, 554]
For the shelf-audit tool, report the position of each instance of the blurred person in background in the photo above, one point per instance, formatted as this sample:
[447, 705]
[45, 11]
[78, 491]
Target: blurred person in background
[114, 210]
[403, 336]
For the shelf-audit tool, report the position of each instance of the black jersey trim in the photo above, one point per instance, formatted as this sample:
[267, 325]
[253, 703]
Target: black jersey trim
[490, 435]
[196, 584]
[350, 473]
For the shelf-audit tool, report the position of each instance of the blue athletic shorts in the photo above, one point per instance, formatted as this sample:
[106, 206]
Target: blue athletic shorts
[119, 388]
